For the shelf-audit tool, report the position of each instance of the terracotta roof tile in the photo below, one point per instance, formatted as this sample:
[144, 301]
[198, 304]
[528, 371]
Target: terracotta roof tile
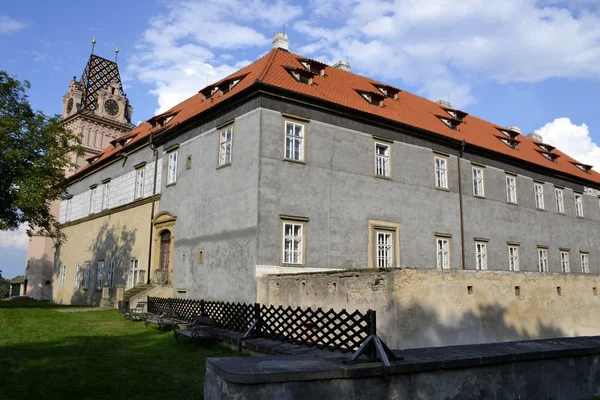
[340, 87]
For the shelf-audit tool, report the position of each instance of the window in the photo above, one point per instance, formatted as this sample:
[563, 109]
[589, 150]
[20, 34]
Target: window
[139, 183]
[294, 141]
[585, 263]
[111, 274]
[560, 204]
[86, 276]
[68, 209]
[564, 262]
[172, 168]
[134, 272]
[105, 195]
[99, 275]
[478, 188]
[63, 274]
[539, 195]
[385, 251]
[441, 178]
[511, 189]
[542, 260]
[382, 160]
[225, 143]
[443, 253]
[481, 255]
[92, 200]
[578, 205]
[77, 282]
[513, 258]
[292, 243]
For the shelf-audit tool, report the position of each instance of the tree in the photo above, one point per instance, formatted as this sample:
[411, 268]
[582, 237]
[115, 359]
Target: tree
[35, 152]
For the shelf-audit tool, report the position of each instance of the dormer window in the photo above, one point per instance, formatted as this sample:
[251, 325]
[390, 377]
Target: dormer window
[301, 75]
[388, 91]
[451, 123]
[550, 156]
[127, 141]
[512, 143]
[315, 67]
[584, 167]
[372, 98]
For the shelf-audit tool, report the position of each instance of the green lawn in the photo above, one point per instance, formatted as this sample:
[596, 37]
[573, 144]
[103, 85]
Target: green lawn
[45, 354]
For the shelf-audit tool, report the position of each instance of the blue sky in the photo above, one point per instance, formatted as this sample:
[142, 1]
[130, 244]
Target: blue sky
[530, 63]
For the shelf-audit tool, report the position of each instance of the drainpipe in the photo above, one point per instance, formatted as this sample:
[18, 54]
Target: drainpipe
[155, 151]
[460, 200]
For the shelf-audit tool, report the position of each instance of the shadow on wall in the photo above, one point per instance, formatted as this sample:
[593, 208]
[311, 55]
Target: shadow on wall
[38, 272]
[112, 243]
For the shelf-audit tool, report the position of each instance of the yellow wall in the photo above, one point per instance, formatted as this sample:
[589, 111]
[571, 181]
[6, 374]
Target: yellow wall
[118, 236]
[429, 307]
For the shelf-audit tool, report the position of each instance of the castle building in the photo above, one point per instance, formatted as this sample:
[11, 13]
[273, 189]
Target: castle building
[97, 109]
[291, 165]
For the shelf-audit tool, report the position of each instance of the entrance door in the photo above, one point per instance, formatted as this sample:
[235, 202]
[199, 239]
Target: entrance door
[165, 251]
[134, 272]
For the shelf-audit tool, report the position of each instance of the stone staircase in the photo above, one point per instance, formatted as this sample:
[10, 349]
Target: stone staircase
[137, 289]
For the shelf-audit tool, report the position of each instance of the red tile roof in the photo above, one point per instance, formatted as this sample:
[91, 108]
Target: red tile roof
[343, 88]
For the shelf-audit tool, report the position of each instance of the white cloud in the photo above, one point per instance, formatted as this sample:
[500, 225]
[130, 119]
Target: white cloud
[434, 44]
[572, 139]
[178, 55]
[9, 25]
[17, 239]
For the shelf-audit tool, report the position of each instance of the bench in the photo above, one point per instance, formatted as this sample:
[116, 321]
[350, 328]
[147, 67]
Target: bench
[165, 318]
[200, 329]
[137, 313]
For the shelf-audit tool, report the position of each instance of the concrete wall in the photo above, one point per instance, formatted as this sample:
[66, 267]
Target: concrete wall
[429, 307]
[216, 210]
[119, 236]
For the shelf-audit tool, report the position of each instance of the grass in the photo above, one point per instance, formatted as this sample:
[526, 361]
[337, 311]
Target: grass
[45, 354]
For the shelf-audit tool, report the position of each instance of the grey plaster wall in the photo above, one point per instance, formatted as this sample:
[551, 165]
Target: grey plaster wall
[118, 168]
[216, 211]
[337, 190]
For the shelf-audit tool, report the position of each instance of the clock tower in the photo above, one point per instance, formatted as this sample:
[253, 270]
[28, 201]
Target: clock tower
[96, 107]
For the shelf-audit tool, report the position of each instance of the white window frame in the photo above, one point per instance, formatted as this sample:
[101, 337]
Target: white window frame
[225, 146]
[442, 250]
[481, 255]
[538, 189]
[441, 172]
[92, 205]
[565, 261]
[383, 160]
[77, 278]
[99, 274]
[294, 141]
[105, 195]
[579, 205]
[68, 209]
[63, 275]
[172, 167]
[134, 265]
[542, 259]
[292, 243]
[514, 262]
[560, 200]
[384, 242]
[86, 276]
[110, 279]
[139, 183]
[478, 182]
[511, 189]
[585, 262]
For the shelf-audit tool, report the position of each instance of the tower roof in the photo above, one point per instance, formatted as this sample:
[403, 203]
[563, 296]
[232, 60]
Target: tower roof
[98, 74]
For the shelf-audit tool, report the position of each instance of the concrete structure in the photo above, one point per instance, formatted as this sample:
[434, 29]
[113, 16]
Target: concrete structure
[96, 108]
[430, 307]
[542, 369]
[290, 165]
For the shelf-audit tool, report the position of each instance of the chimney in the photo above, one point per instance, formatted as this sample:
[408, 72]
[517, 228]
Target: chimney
[343, 65]
[535, 136]
[280, 41]
[514, 128]
[444, 103]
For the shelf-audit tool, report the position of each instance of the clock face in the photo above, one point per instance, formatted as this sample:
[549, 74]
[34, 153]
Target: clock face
[111, 107]
[70, 106]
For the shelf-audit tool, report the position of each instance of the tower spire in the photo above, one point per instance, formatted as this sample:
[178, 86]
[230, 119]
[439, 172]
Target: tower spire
[93, 44]
[116, 53]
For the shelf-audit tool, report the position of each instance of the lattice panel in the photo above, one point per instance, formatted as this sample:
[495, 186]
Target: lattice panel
[237, 317]
[331, 330]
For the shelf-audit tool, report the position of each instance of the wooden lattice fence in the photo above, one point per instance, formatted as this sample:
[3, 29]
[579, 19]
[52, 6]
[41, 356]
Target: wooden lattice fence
[334, 330]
